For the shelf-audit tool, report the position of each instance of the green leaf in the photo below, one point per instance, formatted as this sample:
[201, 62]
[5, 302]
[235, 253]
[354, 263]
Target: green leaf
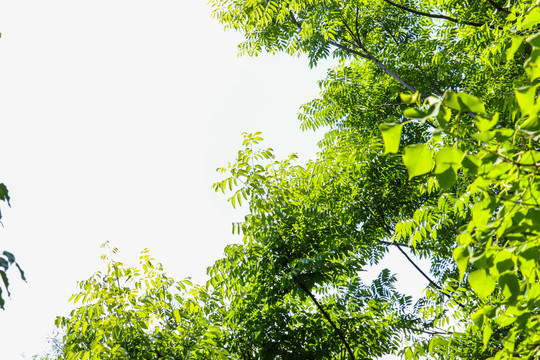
[504, 320]
[478, 318]
[503, 261]
[531, 65]
[463, 102]
[481, 282]
[416, 114]
[532, 18]
[391, 134]
[418, 159]
[532, 124]
[534, 40]
[471, 162]
[5, 280]
[448, 157]
[448, 160]
[509, 342]
[410, 98]
[484, 123]
[446, 178]
[525, 97]
[510, 285]
[486, 334]
[177, 317]
[461, 256]
[10, 256]
[517, 40]
[444, 116]
[20, 271]
[4, 194]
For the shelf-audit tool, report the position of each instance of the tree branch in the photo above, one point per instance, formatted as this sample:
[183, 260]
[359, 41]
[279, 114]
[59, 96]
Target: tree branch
[392, 243]
[349, 50]
[429, 332]
[498, 7]
[433, 16]
[327, 317]
[433, 283]
[367, 55]
[387, 105]
[390, 72]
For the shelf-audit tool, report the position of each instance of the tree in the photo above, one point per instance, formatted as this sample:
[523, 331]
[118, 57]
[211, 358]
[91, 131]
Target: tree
[432, 149]
[7, 259]
[447, 80]
[140, 313]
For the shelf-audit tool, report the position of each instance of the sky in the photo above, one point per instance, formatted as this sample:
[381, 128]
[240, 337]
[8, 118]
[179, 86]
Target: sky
[114, 116]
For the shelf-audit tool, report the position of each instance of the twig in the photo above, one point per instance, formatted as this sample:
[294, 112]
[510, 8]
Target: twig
[389, 232]
[434, 16]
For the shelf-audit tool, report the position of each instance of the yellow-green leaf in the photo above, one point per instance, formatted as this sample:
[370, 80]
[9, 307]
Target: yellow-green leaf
[463, 102]
[485, 123]
[532, 18]
[482, 283]
[418, 159]
[391, 134]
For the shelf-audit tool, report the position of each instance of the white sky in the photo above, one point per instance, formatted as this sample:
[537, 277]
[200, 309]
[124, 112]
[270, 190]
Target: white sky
[114, 115]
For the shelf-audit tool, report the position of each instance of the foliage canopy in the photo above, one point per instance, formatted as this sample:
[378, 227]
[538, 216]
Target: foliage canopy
[431, 148]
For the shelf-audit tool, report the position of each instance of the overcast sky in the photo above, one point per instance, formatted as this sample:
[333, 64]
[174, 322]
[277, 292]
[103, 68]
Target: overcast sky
[114, 115]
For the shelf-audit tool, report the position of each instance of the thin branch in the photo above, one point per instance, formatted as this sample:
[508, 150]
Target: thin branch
[498, 7]
[392, 243]
[385, 28]
[327, 317]
[442, 332]
[389, 232]
[349, 50]
[389, 72]
[386, 105]
[366, 55]
[418, 268]
[433, 16]
[433, 283]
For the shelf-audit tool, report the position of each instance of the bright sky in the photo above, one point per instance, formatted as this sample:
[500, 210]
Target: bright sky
[114, 115]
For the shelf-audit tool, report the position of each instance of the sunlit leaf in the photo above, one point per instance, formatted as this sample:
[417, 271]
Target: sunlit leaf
[391, 134]
[418, 159]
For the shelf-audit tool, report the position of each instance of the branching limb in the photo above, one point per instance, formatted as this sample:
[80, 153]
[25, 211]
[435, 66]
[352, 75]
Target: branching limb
[430, 332]
[385, 28]
[392, 243]
[366, 55]
[391, 73]
[433, 283]
[433, 16]
[387, 229]
[327, 317]
[498, 7]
